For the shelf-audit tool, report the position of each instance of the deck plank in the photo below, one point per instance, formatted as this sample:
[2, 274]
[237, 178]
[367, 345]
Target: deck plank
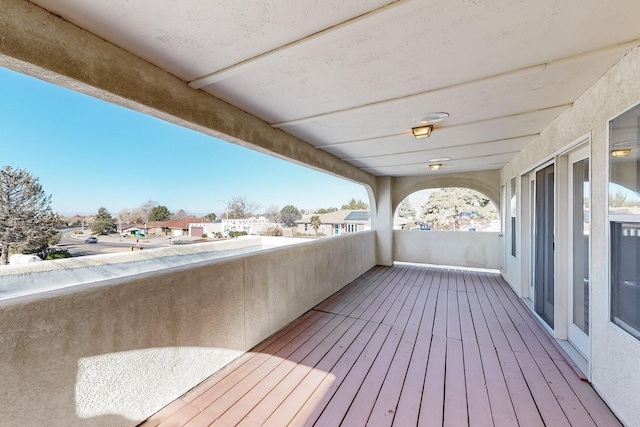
[455, 401]
[386, 405]
[337, 407]
[404, 345]
[408, 410]
[271, 402]
[477, 393]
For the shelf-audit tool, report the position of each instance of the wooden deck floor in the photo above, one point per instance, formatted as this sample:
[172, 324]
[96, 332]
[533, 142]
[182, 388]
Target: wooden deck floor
[404, 346]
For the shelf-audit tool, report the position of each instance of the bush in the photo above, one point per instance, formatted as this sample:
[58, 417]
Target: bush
[59, 255]
[235, 234]
[204, 235]
[272, 231]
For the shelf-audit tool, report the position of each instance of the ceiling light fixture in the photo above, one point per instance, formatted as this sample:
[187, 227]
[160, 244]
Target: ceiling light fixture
[435, 166]
[430, 118]
[440, 159]
[620, 152]
[422, 131]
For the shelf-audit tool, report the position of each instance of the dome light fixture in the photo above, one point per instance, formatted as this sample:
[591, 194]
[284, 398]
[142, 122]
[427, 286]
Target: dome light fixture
[430, 118]
[435, 166]
[620, 152]
[425, 124]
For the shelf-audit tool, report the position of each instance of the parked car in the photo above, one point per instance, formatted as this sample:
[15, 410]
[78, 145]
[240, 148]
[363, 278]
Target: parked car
[92, 239]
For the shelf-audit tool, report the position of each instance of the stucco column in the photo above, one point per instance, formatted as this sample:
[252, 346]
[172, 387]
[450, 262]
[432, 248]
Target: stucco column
[382, 222]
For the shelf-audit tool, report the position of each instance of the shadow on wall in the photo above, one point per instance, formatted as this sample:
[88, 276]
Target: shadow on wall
[78, 359]
[129, 346]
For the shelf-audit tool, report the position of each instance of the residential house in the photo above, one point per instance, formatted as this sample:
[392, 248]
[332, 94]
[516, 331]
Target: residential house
[250, 226]
[336, 223]
[535, 104]
[177, 227]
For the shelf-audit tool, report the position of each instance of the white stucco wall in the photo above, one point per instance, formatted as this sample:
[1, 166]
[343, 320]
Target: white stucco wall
[615, 356]
[113, 352]
[459, 248]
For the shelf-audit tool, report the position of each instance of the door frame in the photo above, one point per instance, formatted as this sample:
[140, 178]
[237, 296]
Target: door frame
[575, 335]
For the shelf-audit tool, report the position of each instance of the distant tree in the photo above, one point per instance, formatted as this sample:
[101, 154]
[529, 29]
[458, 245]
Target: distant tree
[43, 248]
[354, 205]
[211, 216]
[125, 215]
[406, 210]
[327, 210]
[619, 199]
[290, 214]
[181, 214]
[272, 213]
[26, 219]
[315, 223]
[103, 222]
[239, 208]
[159, 213]
[449, 208]
[141, 213]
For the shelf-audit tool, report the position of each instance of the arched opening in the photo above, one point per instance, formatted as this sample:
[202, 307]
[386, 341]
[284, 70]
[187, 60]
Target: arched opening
[446, 209]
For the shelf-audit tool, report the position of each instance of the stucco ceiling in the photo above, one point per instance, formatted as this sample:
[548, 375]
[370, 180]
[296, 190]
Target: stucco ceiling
[349, 77]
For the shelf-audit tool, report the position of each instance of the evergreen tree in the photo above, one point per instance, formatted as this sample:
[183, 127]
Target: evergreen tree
[103, 222]
[159, 213]
[289, 215]
[327, 210]
[406, 210]
[26, 219]
[451, 208]
[354, 205]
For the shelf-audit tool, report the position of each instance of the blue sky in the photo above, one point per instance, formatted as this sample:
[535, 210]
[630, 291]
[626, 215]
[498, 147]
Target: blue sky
[88, 153]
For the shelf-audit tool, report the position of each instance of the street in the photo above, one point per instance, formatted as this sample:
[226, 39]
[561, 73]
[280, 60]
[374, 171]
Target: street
[106, 244]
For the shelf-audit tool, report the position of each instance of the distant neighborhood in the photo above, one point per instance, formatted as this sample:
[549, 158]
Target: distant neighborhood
[453, 209]
[343, 221]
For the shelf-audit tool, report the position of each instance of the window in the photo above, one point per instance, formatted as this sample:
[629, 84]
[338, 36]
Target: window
[624, 217]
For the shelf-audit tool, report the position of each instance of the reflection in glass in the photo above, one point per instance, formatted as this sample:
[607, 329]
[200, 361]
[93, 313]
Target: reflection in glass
[624, 190]
[624, 181]
[581, 245]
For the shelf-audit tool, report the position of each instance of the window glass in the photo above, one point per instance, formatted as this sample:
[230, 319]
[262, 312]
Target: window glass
[624, 181]
[624, 215]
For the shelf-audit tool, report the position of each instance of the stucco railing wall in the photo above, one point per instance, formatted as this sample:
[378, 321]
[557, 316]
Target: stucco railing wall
[459, 248]
[114, 352]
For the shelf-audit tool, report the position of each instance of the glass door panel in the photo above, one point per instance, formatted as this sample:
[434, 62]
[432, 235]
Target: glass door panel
[579, 291]
[544, 267]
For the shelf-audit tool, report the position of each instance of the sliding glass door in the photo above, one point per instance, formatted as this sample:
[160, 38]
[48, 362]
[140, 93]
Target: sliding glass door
[544, 280]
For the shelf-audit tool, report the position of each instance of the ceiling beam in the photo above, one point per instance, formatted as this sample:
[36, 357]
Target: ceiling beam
[488, 79]
[370, 19]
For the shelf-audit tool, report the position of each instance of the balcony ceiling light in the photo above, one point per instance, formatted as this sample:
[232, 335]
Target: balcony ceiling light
[425, 124]
[430, 118]
[422, 131]
[620, 152]
[435, 166]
